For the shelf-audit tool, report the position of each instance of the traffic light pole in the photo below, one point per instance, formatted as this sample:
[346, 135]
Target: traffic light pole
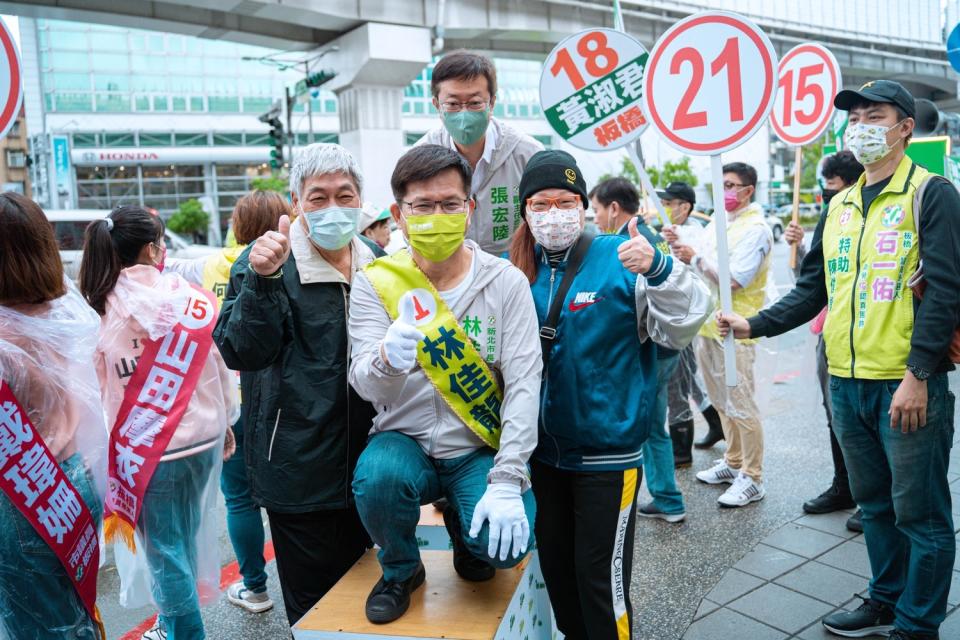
[290, 134]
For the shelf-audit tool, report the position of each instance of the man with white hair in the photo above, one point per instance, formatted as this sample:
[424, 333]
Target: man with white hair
[284, 325]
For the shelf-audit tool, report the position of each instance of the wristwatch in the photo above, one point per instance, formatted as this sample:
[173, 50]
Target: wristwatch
[918, 373]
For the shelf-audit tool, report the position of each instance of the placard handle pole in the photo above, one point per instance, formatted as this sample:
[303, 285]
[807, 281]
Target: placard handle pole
[797, 171]
[647, 183]
[723, 268]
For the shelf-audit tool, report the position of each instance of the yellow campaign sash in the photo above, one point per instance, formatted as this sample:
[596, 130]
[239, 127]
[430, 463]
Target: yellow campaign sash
[448, 357]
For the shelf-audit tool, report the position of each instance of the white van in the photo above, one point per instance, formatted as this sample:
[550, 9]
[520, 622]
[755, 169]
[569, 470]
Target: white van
[69, 226]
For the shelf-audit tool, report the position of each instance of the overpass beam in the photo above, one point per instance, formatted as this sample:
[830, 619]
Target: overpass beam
[375, 62]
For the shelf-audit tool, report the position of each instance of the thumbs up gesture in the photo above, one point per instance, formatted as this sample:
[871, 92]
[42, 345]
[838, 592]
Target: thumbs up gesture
[270, 250]
[636, 254]
[399, 346]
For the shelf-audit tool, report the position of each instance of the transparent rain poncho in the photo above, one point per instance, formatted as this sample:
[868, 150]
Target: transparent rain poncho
[173, 564]
[46, 356]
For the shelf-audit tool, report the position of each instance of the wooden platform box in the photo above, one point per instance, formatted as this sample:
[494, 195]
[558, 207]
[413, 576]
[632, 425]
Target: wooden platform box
[512, 606]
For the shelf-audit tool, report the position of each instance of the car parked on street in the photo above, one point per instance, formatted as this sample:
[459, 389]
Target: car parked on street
[69, 226]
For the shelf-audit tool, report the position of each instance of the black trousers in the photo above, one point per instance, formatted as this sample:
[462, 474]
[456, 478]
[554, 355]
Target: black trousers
[314, 550]
[585, 527]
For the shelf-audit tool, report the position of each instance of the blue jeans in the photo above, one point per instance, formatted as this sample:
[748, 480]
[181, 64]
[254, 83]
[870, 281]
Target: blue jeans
[37, 598]
[244, 523]
[394, 477]
[170, 519]
[900, 482]
[658, 449]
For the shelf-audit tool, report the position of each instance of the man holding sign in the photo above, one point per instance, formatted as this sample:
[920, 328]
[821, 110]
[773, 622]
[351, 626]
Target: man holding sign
[445, 344]
[750, 242]
[887, 350]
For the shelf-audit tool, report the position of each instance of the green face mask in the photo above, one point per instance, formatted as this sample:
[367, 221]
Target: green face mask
[466, 127]
[436, 237]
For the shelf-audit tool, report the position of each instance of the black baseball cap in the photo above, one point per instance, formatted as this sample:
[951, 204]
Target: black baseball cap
[878, 91]
[680, 191]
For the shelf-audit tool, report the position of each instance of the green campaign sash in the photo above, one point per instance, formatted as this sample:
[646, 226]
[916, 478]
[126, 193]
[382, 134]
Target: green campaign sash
[448, 357]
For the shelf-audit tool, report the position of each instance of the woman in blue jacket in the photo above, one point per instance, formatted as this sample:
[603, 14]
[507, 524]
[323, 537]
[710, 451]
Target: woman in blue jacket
[625, 298]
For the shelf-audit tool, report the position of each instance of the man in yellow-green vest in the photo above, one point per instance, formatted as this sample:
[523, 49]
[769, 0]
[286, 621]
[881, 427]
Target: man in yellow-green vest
[749, 241]
[887, 353]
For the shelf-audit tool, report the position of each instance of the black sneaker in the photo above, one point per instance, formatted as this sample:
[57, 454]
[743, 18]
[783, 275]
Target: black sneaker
[900, 634]
[390, 600]
[854, 522]
[468, 566]
[829, 501]
[870, 618]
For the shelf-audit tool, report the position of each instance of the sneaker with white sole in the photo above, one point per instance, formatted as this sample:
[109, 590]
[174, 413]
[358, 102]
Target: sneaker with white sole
[742, 492]
[252, 602]
[156, 632]
[651, 510]
[719, 473]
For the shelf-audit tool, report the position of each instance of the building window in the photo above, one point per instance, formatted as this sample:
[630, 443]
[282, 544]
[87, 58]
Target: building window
[190, 139]
[234, 182]
[155, 139]
[14, 131]
[227, 139]
[165, 188]
[410, 138]
[118, 140]
[16, 159]
[85, 140]
[16, 187]
[107, 187]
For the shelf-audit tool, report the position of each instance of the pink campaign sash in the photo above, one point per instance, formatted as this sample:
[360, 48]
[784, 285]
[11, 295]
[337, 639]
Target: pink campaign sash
[41, 491]
[154, 401]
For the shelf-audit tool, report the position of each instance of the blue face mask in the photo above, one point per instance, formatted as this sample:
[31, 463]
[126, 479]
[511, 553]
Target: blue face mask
[332, 228]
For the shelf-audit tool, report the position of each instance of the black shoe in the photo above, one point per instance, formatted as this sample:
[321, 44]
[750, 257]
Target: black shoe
[854, 522]
[682, 437]
[715, 433]
[468, 566]
[870, 618]
[900, 634]
[390, 600]
[829, 501]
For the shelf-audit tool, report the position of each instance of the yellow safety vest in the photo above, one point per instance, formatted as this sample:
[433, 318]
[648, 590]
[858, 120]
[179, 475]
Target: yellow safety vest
[748, 300]
[216, 271]
[867, 263]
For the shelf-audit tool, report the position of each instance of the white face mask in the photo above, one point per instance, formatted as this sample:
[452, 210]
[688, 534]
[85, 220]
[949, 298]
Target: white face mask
[556, 229]
[868, 142]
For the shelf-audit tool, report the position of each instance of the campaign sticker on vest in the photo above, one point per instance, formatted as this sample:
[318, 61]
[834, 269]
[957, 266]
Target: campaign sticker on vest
[424, 306]
[845, 216]
[893, 215]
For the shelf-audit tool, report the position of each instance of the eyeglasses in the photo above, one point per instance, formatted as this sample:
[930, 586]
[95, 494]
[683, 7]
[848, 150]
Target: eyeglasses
[542, 205]
[452, 106]
[733, 185]
[428, 207]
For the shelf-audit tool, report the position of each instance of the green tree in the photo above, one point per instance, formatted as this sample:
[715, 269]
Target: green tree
[676, 171]
[189, 218]
[627, 170]
[808, 177]
[270, 183]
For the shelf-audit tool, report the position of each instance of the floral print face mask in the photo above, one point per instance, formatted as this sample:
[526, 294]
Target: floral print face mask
[868, 142]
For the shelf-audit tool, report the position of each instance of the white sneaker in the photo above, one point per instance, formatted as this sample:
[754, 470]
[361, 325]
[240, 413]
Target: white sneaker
[252, 602]
[718, 474]
[155, 632]
[742, 492]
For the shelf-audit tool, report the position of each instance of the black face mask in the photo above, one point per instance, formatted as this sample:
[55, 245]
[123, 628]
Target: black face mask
[828, 195]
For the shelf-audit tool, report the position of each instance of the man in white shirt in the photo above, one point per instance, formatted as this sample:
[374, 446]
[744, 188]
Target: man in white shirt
[749, 243]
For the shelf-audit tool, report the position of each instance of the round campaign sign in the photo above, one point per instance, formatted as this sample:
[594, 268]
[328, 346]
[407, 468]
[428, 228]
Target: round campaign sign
[809, 81]
[590, 89]
[710, 82]
[11, 90]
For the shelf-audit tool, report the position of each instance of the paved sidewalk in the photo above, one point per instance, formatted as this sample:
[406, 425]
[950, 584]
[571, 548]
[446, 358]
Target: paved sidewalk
[801, 572]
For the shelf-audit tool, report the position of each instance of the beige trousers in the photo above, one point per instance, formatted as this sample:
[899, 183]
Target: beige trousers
[737, 406]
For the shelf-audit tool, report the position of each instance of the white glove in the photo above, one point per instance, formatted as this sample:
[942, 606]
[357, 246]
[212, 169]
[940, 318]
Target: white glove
[399, 346]
[502, 506]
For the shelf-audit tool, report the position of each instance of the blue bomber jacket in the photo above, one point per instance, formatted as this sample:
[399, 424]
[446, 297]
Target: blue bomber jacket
[598, 393]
